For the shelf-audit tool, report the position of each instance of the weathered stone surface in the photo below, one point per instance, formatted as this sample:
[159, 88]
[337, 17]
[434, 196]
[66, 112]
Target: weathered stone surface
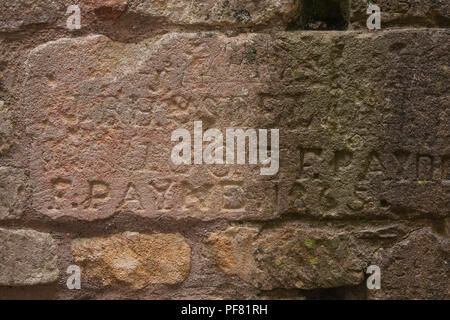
[6, 129]
[371, 133]
[16, 14]
[415, 268]
[101, 116]
[27, 257]
[287, 257]
[394, 13]
[238, 13]
[135, 259]
[13, 197]
[93, 157]
[85, 130]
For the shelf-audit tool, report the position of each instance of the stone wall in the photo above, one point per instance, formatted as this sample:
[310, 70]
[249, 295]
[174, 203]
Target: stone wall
[86, 179]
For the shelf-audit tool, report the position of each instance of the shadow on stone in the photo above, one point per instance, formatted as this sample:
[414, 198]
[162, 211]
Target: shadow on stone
[322, 15]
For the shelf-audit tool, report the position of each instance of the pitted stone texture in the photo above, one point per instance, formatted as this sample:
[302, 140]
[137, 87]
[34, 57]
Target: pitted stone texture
[27, 257]
[135, 259]
[408, 13]
[17, 14]
[236, 13]
[102, 114]
[415, 268]
[287, 257]
[6, 129]
[13, 192]
[352, 151]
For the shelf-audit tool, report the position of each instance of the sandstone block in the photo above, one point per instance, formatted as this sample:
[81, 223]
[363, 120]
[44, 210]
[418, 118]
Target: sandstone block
[27, 257]
[17, 14]
[287, 257]
[415, 268]
[101, 115]
[235, 13]
[135, 259]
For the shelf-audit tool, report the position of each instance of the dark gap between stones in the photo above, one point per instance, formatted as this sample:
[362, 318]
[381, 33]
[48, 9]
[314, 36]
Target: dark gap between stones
[322, 15]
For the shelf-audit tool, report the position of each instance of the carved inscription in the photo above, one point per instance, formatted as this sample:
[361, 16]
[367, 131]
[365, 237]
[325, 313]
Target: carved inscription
[101, 131]
[344, 182]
